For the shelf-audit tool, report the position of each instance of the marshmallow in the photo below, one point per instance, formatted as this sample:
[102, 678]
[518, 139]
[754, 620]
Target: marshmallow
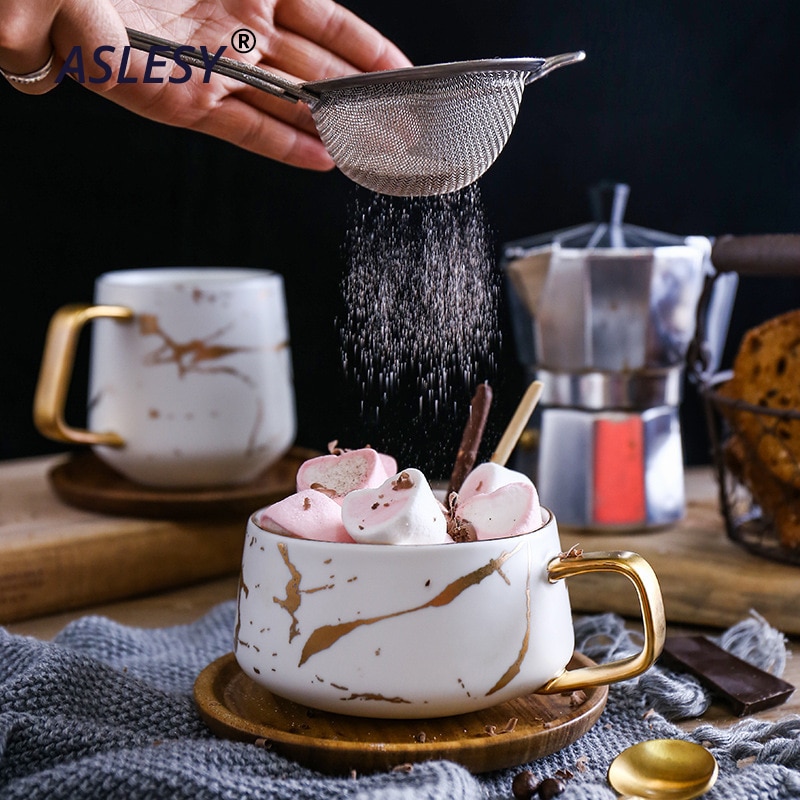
[340, 474]
[487, 477]
[509, 510]
[403, 510]
[389, 464]
[308, 514]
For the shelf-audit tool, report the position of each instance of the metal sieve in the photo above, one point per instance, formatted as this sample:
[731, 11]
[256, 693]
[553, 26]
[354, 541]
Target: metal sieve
[408, 132]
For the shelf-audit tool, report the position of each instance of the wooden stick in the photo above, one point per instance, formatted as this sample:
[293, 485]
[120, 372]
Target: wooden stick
[471, 439]
[518, 422]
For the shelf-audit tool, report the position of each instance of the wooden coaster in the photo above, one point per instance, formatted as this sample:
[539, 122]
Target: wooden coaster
[235, 707]
[84, 481]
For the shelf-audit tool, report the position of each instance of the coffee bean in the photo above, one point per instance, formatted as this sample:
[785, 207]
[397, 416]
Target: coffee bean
[524, 785]
[550, 788]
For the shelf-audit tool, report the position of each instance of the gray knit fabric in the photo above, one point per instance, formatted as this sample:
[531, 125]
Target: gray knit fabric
[106, 711]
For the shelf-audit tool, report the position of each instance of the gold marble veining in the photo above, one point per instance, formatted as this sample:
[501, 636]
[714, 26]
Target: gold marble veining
[196, 355]
[514, 669]
[244, 589]
[201, 357]
[327, 635]
[376, 697]
[258, 422]
[291, 603]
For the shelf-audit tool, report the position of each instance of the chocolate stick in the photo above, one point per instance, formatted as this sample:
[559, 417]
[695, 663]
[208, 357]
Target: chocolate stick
[511, 435]
[471, 439]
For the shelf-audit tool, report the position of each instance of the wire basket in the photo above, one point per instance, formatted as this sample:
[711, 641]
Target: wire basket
[755, 449]
[761, 510]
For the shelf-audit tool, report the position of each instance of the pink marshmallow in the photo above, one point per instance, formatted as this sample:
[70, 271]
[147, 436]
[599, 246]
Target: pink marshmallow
[510, 510]
[403, 510]
[389, 464]
[308, 514]
[340, 474]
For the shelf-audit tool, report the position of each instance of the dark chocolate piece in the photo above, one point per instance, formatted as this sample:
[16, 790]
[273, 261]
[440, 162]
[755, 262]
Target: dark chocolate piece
[743, 687]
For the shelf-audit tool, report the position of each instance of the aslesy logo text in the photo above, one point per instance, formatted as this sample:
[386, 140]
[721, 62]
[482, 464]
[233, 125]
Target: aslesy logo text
[157, 70]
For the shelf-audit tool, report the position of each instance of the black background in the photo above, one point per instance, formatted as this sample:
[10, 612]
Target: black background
[696, 105]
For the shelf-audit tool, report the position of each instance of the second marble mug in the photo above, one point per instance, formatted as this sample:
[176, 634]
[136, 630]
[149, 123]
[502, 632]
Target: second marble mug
[190, 375]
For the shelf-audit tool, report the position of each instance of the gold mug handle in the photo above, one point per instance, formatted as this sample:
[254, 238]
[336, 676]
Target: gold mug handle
[651, 605]
[55, 374]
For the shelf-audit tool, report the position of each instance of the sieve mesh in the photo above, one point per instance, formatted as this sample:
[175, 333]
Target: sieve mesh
[409, 132]
[419, 137]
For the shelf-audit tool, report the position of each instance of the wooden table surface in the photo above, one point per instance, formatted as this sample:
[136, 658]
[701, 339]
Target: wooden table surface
[708, 583]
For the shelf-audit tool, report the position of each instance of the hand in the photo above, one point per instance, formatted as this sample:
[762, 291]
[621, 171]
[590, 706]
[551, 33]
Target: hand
[302, 40]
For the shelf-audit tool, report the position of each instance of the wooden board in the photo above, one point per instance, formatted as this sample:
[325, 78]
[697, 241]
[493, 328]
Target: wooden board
[506, 735]
[55, 556]
[84, 481]
[706, 579]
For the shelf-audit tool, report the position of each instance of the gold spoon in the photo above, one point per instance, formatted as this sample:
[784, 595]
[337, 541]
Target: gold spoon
[663, 769]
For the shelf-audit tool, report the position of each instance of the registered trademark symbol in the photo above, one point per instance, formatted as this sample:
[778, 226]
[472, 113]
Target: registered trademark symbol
[243, 40]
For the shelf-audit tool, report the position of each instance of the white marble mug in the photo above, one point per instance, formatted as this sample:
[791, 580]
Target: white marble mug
[420, 631]
[190, 375]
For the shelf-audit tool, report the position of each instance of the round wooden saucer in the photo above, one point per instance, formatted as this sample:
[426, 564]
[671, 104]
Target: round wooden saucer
[84, 481]
[235, 707]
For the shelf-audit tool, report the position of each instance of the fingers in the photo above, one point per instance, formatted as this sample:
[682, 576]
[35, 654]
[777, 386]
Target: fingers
[305, 60]
[90, 24]
[246, 117]
[241, 124]
[341, 32]
[25, 46]
[38, 81]
[37, 35]
[307, 40]
[295, 114]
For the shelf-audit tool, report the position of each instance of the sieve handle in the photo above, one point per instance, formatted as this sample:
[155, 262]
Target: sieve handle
[767, 255]
[238, 70]
[554, 62]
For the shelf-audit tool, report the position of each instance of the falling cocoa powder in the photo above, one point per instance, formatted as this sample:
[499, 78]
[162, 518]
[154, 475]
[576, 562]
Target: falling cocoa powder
[421, 324]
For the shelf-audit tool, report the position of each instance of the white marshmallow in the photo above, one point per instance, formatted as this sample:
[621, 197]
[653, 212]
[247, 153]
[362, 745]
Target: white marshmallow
[510, 510]
[403, 510]
[487, 477]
